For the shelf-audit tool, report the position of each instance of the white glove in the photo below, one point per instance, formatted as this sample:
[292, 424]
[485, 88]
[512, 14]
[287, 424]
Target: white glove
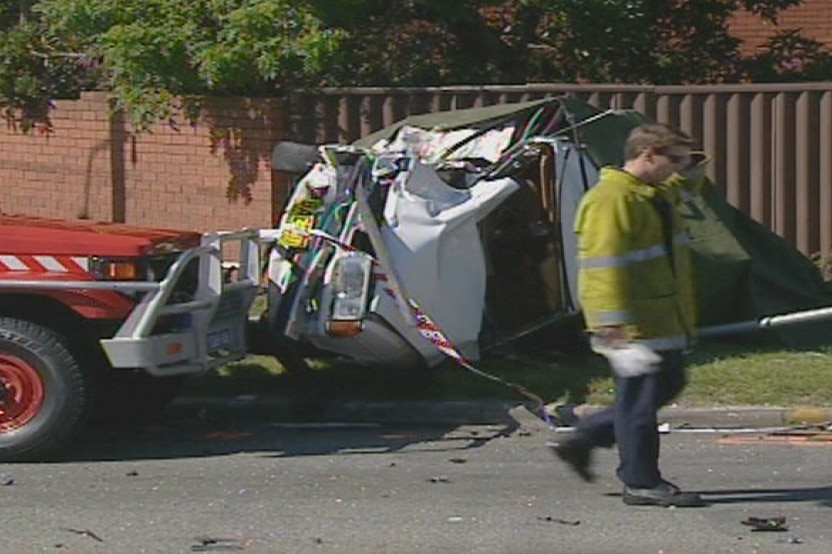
[628, 359]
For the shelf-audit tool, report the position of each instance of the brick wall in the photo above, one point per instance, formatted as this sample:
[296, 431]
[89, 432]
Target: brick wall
[813, 17]
[215, 174]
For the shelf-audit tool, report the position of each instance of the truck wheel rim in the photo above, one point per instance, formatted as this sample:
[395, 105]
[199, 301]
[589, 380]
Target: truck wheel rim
[22, 394]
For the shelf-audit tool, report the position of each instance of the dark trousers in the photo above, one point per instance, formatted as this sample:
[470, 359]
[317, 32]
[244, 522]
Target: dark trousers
[632, 422]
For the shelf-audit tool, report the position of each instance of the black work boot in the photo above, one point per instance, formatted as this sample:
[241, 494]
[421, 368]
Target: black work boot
[665, 494]
[577, 452]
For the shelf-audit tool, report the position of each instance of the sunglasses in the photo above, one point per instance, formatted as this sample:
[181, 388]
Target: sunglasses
[676, 158]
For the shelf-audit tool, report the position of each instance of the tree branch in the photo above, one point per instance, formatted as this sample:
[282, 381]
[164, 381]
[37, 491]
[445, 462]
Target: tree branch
[46, 56]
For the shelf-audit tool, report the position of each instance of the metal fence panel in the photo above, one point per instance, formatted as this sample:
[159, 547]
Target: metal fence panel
[771, 144]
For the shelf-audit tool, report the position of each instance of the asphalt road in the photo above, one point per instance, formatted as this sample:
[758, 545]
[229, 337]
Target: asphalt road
[252, 485]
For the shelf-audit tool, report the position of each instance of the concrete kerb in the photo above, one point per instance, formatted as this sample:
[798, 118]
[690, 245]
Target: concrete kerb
[746, 416]
[463, 412]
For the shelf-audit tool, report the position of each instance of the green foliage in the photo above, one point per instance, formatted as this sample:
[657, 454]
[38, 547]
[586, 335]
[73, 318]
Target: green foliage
[790, 57]
[430, 42]
[644, 41]
[767, 8]
[20, 74]
[281, 45]
[29, 76]
[418, 43]
[148, 53]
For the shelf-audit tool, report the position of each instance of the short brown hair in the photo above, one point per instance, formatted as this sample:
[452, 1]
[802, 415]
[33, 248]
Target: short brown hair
[656, 136]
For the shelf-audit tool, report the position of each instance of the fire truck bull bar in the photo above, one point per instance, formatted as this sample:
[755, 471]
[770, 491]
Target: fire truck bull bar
[210, 329]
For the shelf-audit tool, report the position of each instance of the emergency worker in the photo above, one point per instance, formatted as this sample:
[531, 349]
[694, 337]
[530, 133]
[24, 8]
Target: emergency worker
[636, 291]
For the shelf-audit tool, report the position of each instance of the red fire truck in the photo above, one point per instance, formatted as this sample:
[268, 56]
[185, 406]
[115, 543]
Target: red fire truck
[108, 318]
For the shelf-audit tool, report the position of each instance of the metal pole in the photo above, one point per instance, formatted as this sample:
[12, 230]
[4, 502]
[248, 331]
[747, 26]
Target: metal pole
[784, 320]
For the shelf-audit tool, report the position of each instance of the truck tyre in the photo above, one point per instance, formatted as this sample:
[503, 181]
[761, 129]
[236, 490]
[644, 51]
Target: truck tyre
[44, 394]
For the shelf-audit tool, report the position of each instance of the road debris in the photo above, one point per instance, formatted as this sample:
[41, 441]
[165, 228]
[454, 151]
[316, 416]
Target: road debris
[84, 533]
[767, 523]
[550, 519]
[209, 544]
[440, 479]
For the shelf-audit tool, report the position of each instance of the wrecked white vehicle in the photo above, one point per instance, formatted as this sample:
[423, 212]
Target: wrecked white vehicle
[449, 233]
[391, 253]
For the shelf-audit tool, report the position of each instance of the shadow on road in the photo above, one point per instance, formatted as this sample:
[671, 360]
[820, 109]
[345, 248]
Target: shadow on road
[822, 495]
[218, 433]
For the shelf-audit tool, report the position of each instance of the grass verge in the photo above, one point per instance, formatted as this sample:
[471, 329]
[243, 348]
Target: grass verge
[719, 375]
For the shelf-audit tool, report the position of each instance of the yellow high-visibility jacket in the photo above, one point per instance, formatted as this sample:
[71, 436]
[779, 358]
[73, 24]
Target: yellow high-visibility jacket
[629, 274]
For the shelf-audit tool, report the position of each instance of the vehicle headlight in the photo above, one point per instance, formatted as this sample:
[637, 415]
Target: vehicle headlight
[350, 285]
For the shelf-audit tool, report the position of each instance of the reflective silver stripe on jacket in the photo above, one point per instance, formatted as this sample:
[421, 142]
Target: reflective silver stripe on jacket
[679, 342]
[650, 253]
[614, 317]
[636, 256]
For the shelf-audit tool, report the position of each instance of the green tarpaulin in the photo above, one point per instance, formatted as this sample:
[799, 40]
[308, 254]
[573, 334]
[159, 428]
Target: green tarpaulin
[744, 270]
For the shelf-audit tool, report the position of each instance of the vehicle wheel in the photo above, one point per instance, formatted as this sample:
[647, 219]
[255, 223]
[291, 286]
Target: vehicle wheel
[44, 394]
